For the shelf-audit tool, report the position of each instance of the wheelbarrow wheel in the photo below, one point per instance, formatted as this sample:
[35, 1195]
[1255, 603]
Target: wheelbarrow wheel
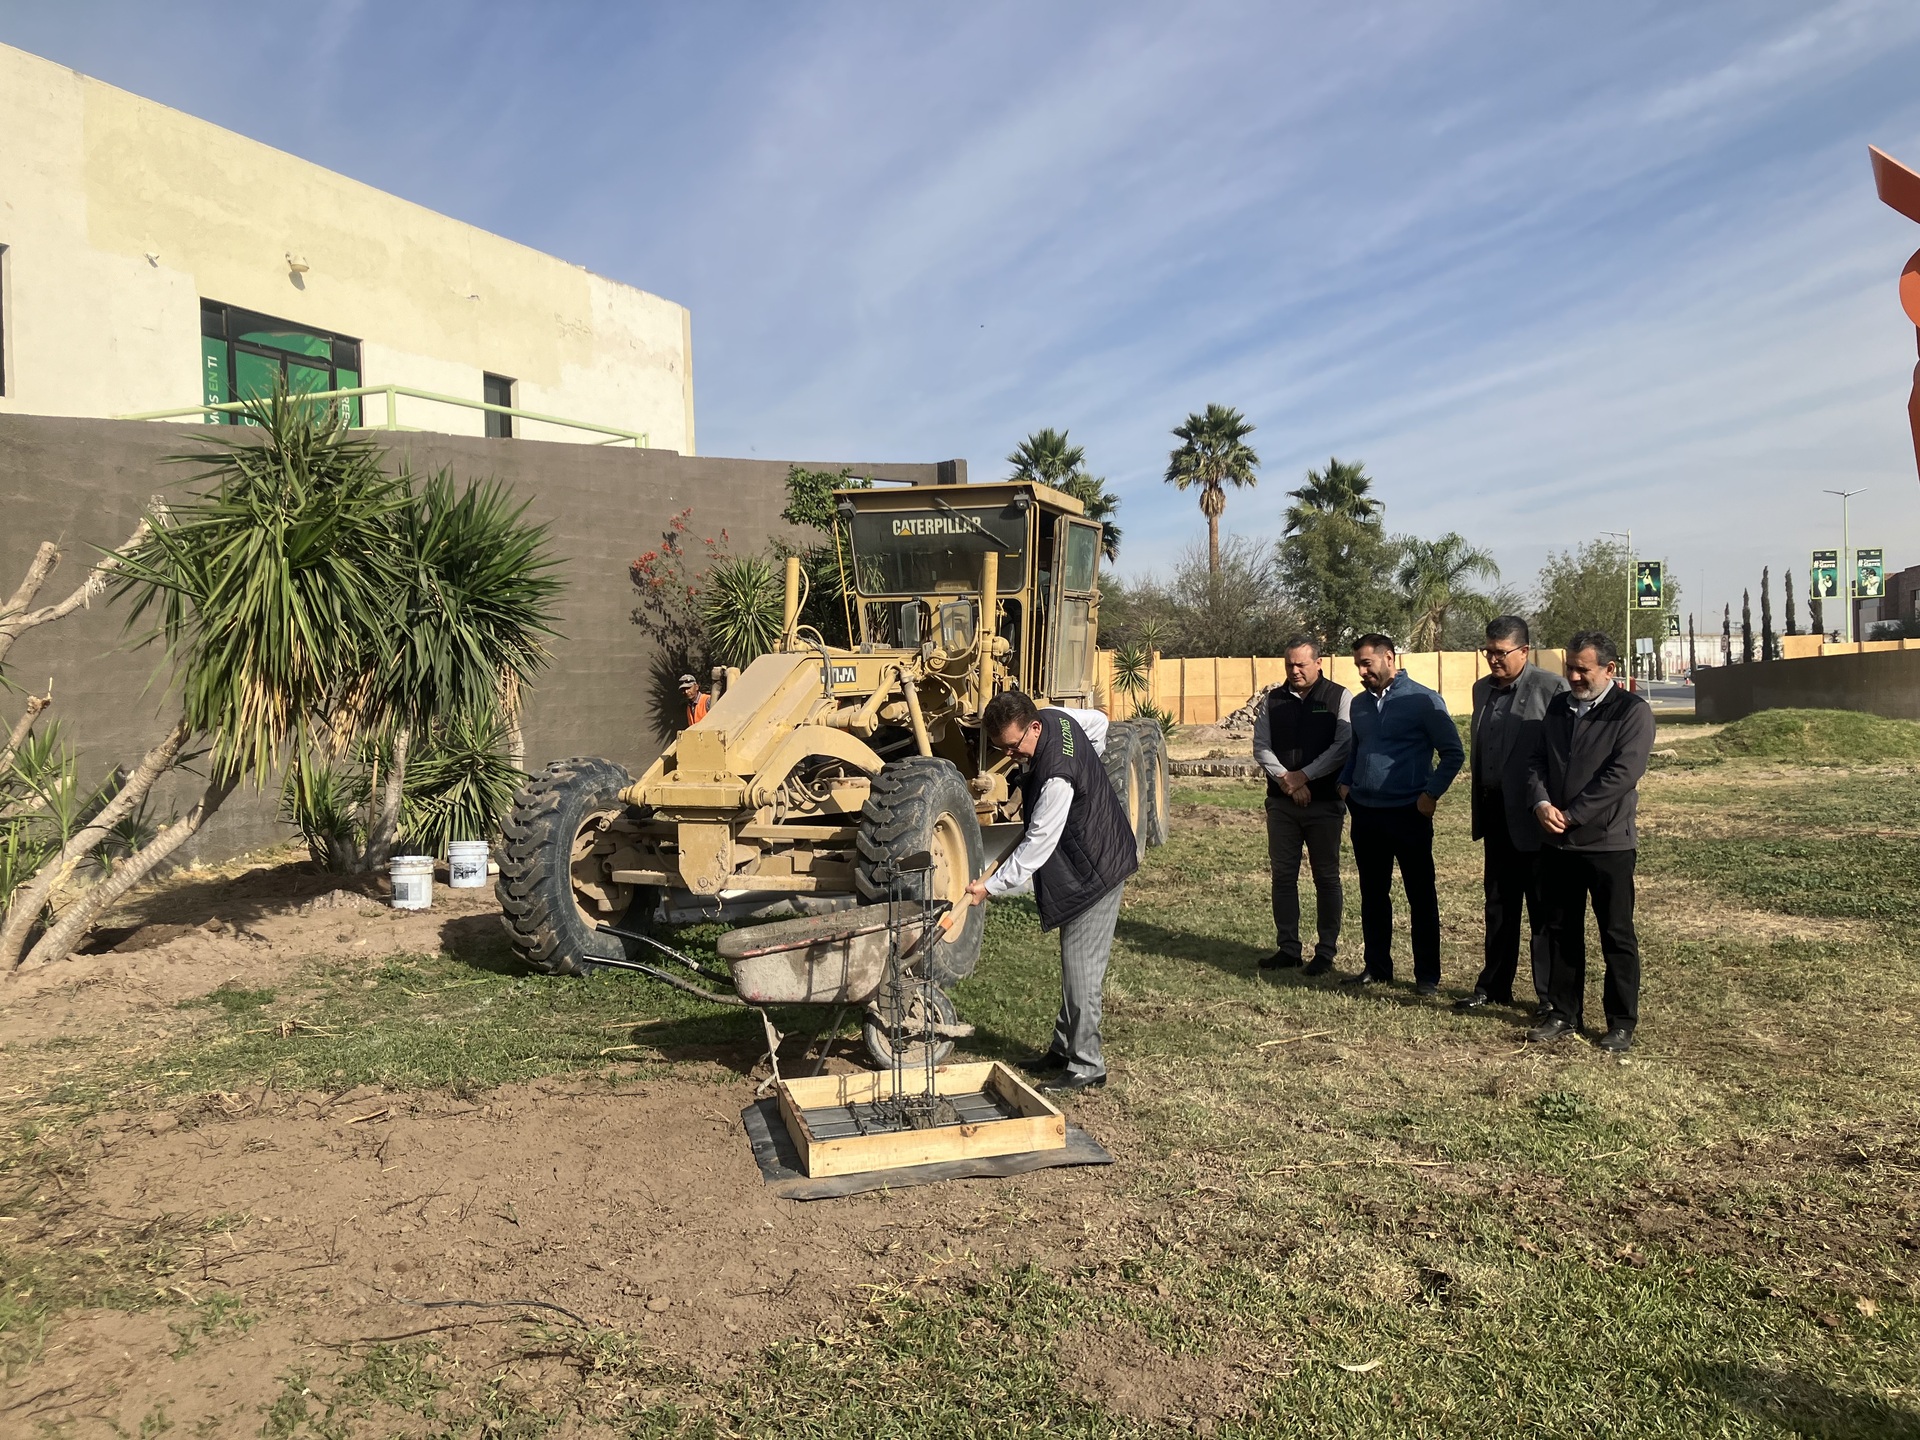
[553, 889]
[878, 1027]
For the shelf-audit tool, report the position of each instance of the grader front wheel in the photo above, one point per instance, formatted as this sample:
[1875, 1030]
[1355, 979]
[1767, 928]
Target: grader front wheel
[923, 803]
[553, 889]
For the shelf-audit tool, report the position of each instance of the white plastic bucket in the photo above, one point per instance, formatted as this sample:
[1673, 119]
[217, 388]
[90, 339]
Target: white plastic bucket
[466, 864]
[412, 881]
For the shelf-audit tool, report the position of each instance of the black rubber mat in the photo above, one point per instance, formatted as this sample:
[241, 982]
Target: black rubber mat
[779, 1161]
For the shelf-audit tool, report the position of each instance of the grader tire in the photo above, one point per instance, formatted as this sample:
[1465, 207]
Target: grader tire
[923, 803]
[1127, 773]
[552, 926]
[1153, 759]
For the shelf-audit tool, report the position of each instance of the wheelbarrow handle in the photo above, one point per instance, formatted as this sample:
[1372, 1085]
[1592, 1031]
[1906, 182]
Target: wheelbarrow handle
[669, 952]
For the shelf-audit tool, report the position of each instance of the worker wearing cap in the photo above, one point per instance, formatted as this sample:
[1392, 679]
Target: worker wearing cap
[1078, 850]
[696, 699]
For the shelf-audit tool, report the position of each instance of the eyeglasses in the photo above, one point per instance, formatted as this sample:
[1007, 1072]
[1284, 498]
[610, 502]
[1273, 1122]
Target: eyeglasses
[1493, 654]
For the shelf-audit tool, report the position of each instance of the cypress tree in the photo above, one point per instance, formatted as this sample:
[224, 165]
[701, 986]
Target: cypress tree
[1767, 649]
[1726, 634]
[1746, 627]
[1816, 615]
[1786, 584]
[1693, 654]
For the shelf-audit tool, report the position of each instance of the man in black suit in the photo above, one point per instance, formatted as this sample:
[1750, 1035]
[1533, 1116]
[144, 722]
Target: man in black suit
[1509, 704]
[1583, 782]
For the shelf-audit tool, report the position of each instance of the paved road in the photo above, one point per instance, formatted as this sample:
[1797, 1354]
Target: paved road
[1667, 695]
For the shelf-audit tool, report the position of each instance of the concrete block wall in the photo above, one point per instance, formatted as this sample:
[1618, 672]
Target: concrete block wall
[1878, 679]
[1201, 690]
[84, 484]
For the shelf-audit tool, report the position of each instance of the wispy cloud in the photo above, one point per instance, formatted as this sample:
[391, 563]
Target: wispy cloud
[1548, 270]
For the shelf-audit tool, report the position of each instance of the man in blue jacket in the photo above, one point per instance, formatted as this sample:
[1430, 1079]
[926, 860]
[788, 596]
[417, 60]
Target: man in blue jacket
[1392, 785]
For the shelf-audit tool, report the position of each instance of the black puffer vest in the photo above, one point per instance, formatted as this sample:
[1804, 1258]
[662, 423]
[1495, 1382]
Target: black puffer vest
[1096, 852]
[1301, 729]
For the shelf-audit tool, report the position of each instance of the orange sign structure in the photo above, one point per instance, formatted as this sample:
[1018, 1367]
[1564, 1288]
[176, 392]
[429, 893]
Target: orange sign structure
[1900, 188]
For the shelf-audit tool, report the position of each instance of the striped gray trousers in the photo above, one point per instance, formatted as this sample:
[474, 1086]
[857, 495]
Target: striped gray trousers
[1085, 943]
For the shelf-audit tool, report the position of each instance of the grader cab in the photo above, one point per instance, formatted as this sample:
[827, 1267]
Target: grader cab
[819, 768]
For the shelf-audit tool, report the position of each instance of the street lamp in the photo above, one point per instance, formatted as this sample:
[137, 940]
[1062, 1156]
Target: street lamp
[1626, 645]
[1846, 566]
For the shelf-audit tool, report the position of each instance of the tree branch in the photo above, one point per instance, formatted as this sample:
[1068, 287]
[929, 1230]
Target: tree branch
[24, 910]
[16, 620]
[78, 918]
[44, 561]
[35, 704]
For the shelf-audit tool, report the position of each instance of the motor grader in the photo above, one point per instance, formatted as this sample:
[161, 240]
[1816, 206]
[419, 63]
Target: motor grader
[822, 776]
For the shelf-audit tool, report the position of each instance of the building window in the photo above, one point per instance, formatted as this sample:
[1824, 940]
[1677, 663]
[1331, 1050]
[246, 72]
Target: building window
[243, 354]
[499, 391]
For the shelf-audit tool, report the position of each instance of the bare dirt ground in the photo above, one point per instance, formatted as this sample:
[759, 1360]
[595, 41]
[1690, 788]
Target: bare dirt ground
[246, 924]
[315, 1226]
[638, 1209]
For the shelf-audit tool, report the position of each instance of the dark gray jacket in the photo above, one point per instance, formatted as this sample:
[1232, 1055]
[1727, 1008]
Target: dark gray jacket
[1590, 769]
[1531, 694]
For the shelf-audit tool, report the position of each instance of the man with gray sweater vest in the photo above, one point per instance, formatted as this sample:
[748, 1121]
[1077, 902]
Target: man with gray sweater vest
[1583, 781]
[1392, 786]
[1509, 705]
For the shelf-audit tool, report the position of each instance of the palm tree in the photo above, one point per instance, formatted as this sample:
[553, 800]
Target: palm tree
[1433, 574]
[1341, 489]
[1213, 453]
[1045, 457]
[1091, 491]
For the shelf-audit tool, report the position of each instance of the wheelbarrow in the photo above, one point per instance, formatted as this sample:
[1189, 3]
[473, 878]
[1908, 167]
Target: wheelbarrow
[841, 960]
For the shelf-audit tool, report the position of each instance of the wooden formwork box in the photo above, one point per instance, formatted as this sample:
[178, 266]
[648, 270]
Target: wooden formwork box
[1034, 1125]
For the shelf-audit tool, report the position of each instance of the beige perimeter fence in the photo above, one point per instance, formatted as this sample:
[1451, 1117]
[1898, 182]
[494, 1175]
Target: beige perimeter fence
[1203, 690]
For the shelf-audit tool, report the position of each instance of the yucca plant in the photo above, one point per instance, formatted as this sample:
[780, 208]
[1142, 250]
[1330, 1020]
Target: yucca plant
[305, 599]
[742, 607]
[1132, 673]
[471, 616]
[460, 783]
[326, 801]
[1163, 718]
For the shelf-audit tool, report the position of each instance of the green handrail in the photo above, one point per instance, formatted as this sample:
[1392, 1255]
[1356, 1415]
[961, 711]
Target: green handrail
[638, 438]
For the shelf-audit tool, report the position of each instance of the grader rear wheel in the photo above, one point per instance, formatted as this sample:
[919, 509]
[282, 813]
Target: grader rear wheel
[1153, 761]
[1127, 772]
[553, 889]
[923, 803]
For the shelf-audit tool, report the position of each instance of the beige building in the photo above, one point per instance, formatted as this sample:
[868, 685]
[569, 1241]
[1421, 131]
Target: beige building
[150, 262]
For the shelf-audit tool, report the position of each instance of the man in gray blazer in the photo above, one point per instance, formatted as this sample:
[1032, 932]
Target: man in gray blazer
[1508, 706]
[1584, 781]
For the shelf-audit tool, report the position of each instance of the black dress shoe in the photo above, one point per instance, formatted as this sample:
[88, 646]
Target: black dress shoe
[1616, 1041]
[1542, 1010]
[1478, 1000]
[1069, 1083]
[1044, 1064]
[1280, 960]
[1551, 1028]
[1426, 989]
[1319, 965]
[1363, 980]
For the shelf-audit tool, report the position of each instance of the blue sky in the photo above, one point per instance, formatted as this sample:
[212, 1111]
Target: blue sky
[1548, 270]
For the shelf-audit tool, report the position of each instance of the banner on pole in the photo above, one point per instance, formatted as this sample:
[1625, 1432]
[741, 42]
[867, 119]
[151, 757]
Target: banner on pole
[1870, 567]
[1650, 584]
[1824, 579]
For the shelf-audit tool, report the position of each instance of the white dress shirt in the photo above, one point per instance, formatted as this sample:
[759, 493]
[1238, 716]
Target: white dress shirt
[1049, 819]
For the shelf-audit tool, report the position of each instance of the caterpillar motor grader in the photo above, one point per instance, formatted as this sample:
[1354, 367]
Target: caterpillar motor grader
[819, 769]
